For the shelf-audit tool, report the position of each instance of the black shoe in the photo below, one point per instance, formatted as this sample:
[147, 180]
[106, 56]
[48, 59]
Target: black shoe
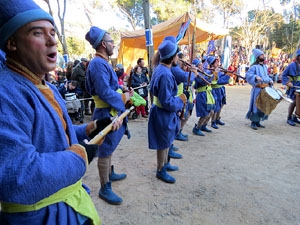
[253, 126]
[260, 125]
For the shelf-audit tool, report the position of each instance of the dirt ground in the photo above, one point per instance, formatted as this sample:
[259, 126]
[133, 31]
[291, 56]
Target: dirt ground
[232, 176]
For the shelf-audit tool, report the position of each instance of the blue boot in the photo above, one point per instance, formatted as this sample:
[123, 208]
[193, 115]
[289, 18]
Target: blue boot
[107, 195]
[181, 137]
[197, 131]
[164, 176]
[214, 124]
[169, 167]
[253, 126]
[204, 128]
[173, 148]
[220, 122]
[295, 119]
[290, 121]
[115, 177]
[174, 155]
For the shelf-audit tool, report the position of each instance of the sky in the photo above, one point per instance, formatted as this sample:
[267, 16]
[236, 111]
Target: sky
[109, 18]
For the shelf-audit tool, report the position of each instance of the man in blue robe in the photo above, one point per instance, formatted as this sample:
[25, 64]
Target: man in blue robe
[102, 83]
[205, 102]
[258, 77]
[291, 78]
[163, 124]
[42, 163]
[218, 90]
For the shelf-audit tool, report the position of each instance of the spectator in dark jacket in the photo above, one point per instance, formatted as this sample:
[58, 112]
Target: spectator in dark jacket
[70, 87]
[140, 79]
[78, 74]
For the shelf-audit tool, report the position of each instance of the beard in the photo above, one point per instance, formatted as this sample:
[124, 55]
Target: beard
[261, 60]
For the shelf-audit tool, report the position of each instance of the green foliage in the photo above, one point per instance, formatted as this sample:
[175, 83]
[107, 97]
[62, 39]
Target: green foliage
[228, 8]
[282, 35]
[167, 9]
[132, 10]
[76, 46]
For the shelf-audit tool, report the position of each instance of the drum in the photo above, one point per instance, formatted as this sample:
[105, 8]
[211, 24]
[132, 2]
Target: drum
[70, 96]
[267, 100]
[298, 103]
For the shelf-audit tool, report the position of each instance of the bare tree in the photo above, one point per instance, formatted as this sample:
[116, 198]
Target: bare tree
[254, 28]
[91, 8]
[61, 16]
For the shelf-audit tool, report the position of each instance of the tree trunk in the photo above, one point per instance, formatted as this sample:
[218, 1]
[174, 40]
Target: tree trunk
[150, 49]
[61, 35]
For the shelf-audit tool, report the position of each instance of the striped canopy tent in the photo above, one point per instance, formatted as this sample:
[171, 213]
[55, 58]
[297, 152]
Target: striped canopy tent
[133, 43]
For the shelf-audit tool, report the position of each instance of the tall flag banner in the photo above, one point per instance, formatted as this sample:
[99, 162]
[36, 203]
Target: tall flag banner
[182, 30]
[227, 53]
[210, 48]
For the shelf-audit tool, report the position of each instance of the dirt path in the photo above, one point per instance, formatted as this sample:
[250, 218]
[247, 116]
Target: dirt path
[232, 176]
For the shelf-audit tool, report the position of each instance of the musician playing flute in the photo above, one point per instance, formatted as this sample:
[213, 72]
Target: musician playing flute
[102, 84]
[181, 77]
[291, 78]
[42, 162]
[163, 124]
[218, 90]
[258, 77]
[205, 102]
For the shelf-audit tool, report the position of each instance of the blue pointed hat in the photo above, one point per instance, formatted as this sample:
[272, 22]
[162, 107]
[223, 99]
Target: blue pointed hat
[257, 53]
[298, 52]
[167, 48]
[94, 36]
[196, 62]
[14, 14]
[211, 59]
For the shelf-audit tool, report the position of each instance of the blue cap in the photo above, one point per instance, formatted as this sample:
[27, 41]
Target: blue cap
[170, 38]
[211, 59]
[196, 62]
[120, 66]
[298, 52]
[167, 48]
[14, 14]
[257, 53]
[94, 36]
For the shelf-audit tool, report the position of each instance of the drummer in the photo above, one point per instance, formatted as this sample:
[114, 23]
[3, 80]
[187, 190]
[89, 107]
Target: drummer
[258, 77]
[291, 78]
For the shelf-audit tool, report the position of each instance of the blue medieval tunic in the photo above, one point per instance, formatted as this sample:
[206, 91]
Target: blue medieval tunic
[254, 114]
[202, 108]
[181, 78]
[291, 74]
[34, 163]
[102, 81]
[163, 124]
[218, 90]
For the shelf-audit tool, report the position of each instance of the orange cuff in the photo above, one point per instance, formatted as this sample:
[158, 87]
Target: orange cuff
[124, 98]
[79, 150]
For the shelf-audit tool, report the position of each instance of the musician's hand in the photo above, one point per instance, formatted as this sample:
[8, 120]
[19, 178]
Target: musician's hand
[183, 98]
[258, 78]
[91, 150]
[94, 127]
[117, 124]
[290, 84]
[131, 91]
